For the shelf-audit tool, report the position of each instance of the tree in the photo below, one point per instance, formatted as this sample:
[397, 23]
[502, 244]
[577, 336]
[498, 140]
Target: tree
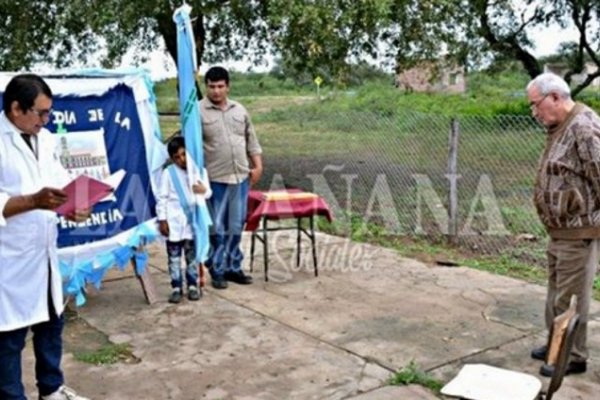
[27, 37]
[504, 27]
[324, 37]
[62, 32]
[327, 36]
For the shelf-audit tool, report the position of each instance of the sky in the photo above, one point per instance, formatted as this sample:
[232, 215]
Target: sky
[547, 40]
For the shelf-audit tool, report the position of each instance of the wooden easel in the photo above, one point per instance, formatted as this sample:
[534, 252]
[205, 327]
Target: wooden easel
[146, 280]
[557, 333]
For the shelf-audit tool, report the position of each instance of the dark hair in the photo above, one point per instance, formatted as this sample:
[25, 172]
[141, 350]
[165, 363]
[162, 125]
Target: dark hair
[175, 144]
[24, 89]
[216, 74]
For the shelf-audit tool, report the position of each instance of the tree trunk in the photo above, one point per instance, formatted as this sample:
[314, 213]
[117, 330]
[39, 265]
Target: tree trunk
[168, 31]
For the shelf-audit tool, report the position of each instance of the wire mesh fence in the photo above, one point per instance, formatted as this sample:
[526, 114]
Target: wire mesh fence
[388, 173]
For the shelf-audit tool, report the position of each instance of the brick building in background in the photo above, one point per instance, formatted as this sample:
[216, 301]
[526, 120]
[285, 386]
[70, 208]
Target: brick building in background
[428, 76]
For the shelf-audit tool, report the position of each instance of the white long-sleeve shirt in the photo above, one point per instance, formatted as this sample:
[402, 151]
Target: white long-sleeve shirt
[168, 205]
[28, 240]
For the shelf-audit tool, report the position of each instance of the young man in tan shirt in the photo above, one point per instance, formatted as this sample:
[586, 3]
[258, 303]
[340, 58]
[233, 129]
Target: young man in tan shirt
[233, 159]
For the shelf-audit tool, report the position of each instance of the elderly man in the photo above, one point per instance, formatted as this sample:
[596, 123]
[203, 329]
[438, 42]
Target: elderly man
[31, 295]
[567, 199]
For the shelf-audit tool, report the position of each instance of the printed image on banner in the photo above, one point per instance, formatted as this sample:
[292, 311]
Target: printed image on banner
[84, 153]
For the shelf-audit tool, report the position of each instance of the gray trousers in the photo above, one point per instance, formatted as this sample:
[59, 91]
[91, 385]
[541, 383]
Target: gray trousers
[571, 270]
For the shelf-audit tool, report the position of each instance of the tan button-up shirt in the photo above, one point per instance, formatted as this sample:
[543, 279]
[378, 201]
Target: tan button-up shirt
[229, 139]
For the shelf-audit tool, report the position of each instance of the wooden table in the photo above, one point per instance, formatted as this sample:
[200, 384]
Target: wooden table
[264, 206]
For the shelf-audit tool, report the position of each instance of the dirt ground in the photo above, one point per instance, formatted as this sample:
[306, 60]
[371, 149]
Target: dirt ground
[79, 336]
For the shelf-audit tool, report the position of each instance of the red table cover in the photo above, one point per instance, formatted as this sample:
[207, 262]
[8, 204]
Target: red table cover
[281, 204]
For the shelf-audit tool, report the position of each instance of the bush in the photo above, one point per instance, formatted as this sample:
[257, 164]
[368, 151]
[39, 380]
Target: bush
[371, 90]
[385, 99]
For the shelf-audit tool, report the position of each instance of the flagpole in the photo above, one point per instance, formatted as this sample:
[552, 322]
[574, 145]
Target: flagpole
[191, 125]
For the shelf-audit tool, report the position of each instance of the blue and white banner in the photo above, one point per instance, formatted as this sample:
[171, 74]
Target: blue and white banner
[106, 121]
[113, 117]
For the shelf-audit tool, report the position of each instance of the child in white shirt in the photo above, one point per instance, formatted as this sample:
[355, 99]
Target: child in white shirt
[174, 222]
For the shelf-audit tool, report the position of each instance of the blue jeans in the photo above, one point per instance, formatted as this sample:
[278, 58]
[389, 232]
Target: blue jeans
[227, 205]
[47, 347]
[174, 250]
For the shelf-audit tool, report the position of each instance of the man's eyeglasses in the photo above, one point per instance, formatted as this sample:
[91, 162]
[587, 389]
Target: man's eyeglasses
[41, 113]
[534, 105]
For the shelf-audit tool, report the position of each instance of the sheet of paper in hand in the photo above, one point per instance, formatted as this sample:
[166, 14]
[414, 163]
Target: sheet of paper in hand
[83, 192]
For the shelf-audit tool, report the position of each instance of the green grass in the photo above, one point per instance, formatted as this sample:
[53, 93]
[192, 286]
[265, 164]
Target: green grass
[108, 354]
[169, 125]
[420, 248]
[507, 266]
[412, 375]
[267, 84]
[521, 219]
[242, 86]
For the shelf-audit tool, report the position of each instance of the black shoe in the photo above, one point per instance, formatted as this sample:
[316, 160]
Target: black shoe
[573, 367]
[175, 296]
[539, 353]
[238, 277]
[194, 293]
[219, 283]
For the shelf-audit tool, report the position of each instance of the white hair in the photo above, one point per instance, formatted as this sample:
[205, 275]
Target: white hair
[549, 82]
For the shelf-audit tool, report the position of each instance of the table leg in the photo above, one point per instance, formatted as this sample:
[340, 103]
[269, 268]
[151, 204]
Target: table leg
[298, 241]
[266, 249]
[312, 238]
[252, 241]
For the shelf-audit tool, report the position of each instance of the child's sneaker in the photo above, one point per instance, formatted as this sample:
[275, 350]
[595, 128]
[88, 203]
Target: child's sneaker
[194, 293]
[175, 296]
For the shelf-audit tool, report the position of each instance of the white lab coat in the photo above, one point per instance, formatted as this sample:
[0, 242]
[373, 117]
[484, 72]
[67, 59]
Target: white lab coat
[168, 205]
[28, 240]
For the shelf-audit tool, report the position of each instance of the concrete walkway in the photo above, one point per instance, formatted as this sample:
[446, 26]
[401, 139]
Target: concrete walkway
[338, 336]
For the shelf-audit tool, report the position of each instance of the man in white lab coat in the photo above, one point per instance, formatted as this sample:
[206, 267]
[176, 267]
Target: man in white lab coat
[31, 295]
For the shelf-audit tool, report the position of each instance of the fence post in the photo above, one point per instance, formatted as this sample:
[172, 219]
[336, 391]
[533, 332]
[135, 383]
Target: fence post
[453, 178]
